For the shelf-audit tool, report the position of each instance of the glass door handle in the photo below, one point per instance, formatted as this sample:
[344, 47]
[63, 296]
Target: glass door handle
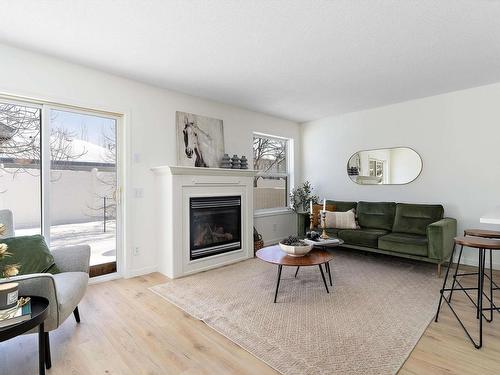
[117, 196]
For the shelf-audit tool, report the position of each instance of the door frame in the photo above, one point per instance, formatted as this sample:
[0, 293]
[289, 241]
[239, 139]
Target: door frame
[122, 164]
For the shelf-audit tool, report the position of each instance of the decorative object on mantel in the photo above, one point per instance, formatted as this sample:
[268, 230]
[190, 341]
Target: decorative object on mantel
[225, 161]
[244, 162]
[200, 140]
[258, 242]
[235, 162]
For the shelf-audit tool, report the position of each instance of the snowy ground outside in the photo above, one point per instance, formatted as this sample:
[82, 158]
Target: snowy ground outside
[102, 244]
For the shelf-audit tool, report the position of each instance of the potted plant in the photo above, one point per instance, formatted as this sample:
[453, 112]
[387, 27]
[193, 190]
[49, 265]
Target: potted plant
[300, 198]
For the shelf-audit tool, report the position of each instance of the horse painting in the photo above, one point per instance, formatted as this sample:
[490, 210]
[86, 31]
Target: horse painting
[200, 140]
[191, 134]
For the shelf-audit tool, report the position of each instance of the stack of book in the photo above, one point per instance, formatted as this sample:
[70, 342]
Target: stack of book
[15, 315]
[322, 242]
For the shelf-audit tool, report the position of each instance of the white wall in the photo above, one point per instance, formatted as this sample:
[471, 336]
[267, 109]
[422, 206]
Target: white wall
[457, 135]
[150, 126]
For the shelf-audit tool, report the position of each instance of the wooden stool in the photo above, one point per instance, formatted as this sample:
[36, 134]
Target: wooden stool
[484, 233]
[481, 244]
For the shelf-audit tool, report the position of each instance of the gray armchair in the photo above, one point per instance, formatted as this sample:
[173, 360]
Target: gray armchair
[64, 290]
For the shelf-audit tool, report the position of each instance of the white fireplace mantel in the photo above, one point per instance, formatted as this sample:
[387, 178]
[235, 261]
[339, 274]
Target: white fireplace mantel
[175, 186]
[196, 171]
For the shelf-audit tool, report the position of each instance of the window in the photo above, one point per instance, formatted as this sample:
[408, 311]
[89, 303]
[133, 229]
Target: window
[270, 160]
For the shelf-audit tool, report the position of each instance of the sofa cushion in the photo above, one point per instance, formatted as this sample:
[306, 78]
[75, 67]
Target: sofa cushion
[332, 232]
[414, 218]
[341, 220]
[316, 217]
[342, 206]
[30, 253]
[376, 215]
[406, 243]
[362, 237]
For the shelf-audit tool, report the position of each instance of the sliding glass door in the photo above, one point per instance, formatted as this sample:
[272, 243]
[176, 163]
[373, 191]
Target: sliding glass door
[83, 184]
[58, 177]
[20, 165]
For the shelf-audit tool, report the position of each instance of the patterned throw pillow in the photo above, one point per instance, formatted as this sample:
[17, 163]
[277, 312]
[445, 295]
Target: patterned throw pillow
[317, 215]
[341, 220]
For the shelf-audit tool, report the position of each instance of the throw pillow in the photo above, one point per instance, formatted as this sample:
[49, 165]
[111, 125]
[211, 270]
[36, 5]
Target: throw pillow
[30, 253]
[341, 220]
[317, 215]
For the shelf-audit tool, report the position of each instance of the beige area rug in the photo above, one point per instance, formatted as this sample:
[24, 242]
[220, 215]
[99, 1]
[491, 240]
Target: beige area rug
[369, 323]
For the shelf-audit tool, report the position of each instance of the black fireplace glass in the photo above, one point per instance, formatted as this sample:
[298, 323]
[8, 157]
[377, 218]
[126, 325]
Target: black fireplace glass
[215, 225]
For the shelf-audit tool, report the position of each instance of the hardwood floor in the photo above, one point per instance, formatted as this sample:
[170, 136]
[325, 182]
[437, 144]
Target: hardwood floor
[126, 329]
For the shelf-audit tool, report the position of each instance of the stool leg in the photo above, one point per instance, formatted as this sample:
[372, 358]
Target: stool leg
[444, 282]
[491, 285]
[479, 288]
[456, 272]
[480, 299]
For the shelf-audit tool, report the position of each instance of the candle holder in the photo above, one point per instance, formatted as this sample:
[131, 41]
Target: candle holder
[324, 236]
[311, 221]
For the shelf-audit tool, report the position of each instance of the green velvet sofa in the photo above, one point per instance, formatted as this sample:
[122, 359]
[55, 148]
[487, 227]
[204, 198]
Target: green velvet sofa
[416, 231]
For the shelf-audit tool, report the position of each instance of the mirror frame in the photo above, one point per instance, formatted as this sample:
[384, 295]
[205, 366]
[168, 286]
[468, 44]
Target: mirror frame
[385, 148]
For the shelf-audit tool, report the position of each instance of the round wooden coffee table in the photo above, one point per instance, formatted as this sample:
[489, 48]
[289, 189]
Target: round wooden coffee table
[316, 257]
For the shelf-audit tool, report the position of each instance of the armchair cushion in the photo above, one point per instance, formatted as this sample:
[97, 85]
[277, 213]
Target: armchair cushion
[71, 287]
[72, 258]
[31, 253]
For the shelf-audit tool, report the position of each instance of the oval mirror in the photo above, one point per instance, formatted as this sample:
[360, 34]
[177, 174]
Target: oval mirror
[386, 166]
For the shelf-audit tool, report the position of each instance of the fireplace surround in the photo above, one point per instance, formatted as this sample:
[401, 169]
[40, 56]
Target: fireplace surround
[205, 218]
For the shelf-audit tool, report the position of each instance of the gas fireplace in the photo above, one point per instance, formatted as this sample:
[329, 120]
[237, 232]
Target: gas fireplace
[215, 225]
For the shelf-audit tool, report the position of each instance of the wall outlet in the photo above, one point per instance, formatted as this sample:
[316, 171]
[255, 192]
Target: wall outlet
[138, 192]
[136, 251]
[275, 227]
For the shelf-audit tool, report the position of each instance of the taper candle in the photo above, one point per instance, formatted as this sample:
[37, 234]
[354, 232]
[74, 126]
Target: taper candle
[311, 207]
[324, 204]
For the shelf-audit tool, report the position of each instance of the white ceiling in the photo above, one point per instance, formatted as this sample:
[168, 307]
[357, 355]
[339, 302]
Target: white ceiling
[296, 59]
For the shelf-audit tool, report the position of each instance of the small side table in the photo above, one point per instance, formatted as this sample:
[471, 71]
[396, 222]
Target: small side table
[39, 312]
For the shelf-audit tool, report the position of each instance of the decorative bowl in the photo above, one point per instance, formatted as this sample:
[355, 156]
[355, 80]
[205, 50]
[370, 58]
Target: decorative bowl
[296, 251]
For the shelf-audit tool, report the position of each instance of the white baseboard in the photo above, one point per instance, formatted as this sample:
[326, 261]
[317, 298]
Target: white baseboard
[104, 278]
[274, 241]
[140, 271]
[471, 260]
